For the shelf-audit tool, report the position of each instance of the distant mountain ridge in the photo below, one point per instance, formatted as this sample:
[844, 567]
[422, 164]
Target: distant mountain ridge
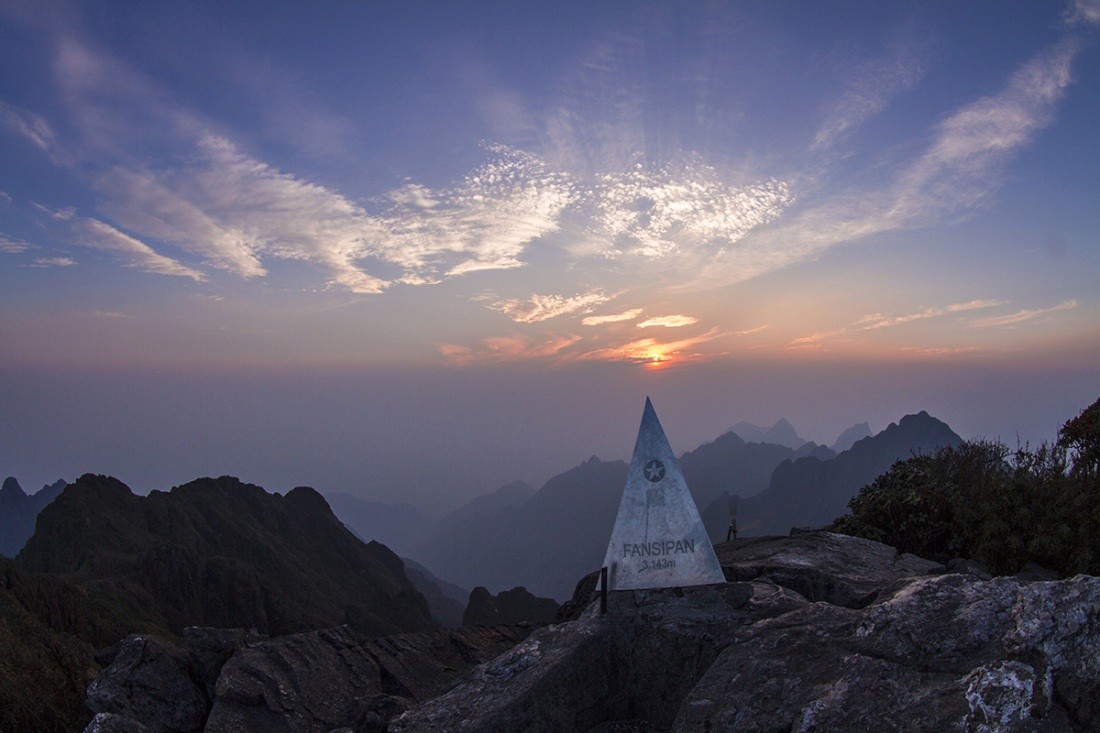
[219, 552]
[811, 492]
[560, 533]
[782, 433]
[18, 512]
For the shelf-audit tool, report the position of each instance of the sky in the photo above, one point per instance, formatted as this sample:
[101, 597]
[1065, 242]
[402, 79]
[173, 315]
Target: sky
[418, 250]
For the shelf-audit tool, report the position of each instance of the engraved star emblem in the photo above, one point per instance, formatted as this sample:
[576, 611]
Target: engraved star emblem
[654, 471]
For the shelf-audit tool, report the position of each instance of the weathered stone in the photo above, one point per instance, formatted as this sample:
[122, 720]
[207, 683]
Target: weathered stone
[823, 566]
[112, 723]
[149, 680]
[209, 649]
[944, 653]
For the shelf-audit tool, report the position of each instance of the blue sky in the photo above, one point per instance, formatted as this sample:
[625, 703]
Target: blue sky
[700, 190]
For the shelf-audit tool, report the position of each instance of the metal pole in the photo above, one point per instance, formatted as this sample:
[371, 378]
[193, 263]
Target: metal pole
[603, 590]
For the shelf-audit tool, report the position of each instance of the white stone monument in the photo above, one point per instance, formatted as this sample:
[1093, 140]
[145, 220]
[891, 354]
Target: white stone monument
[659, 540]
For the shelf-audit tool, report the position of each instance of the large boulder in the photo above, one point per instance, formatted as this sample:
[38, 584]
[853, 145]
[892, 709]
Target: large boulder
[148, 680]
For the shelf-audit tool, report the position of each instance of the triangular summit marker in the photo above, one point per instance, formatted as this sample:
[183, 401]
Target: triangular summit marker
[658, 540]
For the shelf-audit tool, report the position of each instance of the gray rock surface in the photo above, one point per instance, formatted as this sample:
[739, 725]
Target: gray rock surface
[882, 642]
[322, 680]
[823, 566]
[112, 723]
[149, 680]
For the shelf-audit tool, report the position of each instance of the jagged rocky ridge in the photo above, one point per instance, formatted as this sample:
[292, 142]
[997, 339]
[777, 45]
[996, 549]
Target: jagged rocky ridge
[814, 632]
[18, 511]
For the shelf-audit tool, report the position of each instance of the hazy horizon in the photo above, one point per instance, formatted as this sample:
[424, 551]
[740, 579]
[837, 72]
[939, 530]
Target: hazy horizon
[419, 251]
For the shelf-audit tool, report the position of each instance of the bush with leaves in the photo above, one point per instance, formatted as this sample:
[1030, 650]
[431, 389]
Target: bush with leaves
[984, 501]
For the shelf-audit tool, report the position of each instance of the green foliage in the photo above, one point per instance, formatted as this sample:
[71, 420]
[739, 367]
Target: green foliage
[984, 501]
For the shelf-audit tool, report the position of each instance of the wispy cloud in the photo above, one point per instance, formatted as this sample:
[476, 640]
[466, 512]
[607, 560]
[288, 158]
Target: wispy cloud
[749, 331]
[508, 348]
[31, 126]
[961, 167]
[131, 252]
[814, 341]
[868, 90]
[1084, 11]
[629, 315]
[53, 262]
[544, 307]
[676, 321]
[878, 320]
[13, 246]
[1022, 316]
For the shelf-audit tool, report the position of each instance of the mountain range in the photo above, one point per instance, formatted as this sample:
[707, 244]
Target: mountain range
[220, 552]
[547, 540]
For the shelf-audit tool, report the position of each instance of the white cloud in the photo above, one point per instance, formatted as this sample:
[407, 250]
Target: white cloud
[749, 331]
[1023, 315]
[53, 262]
[676, 321]
[544, 307]
[131, 252]
[657, 212]
[484, 222]
[629, 315]
[234, 210]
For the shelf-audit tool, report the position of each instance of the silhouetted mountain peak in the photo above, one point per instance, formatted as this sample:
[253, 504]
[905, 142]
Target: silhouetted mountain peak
[11, 488]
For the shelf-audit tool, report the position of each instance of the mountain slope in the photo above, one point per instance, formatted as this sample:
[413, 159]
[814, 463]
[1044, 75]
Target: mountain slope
[18, 512]
[812, 492]
[219, 552]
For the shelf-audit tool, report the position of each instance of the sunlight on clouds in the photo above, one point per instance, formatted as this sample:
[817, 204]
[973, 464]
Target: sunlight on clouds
[629, 315]
[484, 222]
[131, 252]
[749, 331]
[668, 321]
[656, 212]
[651, 350]
[543, 307]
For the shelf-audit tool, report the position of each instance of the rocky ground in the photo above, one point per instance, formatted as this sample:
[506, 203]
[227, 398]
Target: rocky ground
[817, 632]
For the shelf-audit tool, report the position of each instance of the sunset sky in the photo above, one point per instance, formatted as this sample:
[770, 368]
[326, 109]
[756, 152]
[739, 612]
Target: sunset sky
[413, 249]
